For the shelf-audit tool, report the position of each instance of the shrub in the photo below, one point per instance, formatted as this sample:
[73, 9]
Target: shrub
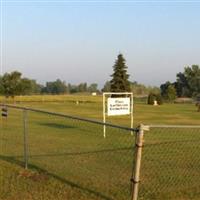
[159, 99]
[154, 97]
[151, 99]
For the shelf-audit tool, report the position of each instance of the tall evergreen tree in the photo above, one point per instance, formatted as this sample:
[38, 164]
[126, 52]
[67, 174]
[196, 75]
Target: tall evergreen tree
[120, 82]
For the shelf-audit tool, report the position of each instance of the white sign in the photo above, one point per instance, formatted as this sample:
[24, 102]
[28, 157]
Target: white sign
[118, 106]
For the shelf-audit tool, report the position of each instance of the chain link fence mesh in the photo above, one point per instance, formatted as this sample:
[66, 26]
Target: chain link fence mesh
[171, 164]
[70, 159]
[67, 159]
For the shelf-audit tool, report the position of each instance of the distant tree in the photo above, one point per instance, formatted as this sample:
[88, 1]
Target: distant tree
[138, 89]
[35, 87]
[55, 87]
[120, 82]
[72, 88]
[25, 86]
[141, 89]
[1, 86]
[82, 87]
[106, 87]
[163, 89]
[93, 87]
[192, 75]
[182, 86]
[188, 82]
[171, 93]
[11, 83]
[69, 86]
[154, 89]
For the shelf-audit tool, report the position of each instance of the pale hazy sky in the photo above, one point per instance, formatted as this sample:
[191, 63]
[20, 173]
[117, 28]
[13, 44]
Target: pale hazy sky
[78, 41]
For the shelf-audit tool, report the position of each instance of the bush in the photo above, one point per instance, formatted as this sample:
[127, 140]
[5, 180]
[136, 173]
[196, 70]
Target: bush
[151, 99]
[159, 99]
[154, 97]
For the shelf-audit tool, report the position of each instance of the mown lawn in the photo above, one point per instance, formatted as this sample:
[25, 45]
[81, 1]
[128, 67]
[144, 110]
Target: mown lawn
[70, 159]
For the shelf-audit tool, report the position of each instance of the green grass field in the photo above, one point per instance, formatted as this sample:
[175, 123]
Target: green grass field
[70, 159]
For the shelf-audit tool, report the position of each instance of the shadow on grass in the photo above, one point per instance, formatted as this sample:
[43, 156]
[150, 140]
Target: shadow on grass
[83, 128]
[13, 160]
[79, 153]
[84, 153]
[56, 125]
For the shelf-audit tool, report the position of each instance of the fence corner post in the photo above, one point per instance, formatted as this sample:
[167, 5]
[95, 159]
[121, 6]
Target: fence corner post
[25, 139]
[138, 158]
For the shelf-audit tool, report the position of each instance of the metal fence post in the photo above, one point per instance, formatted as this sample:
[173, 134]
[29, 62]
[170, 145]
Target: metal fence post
[25, 139]
[138, 157]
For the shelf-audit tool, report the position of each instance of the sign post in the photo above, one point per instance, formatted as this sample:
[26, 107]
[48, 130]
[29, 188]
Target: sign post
[117, 106]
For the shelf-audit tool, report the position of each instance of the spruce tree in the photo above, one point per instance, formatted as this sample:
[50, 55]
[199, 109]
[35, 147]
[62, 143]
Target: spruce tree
[120, 82]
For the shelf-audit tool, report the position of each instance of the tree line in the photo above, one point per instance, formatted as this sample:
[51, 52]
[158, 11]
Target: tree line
[187, 84]
[12, 84]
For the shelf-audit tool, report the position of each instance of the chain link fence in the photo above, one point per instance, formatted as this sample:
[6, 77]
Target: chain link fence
[66, 157]
[170, 168]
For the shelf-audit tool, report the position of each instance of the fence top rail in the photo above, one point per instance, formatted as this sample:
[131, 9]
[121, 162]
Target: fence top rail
[69, 116]
[173, 126]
